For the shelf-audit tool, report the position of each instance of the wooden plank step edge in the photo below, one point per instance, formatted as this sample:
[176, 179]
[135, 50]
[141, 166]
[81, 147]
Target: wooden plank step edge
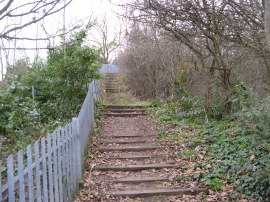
[125, 110]
[140, 179]
[131, 157]
[123, 106]
[137, 157]
[124, 113]
[127, 136]
[122, 141]
[129, 148]
[134, 167]
[156, 192]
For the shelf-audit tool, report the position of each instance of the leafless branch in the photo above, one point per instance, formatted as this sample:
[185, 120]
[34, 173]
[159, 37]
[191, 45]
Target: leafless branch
[41, 7]
[46, 38]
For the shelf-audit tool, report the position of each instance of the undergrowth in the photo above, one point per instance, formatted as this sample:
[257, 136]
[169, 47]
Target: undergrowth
[233, 151]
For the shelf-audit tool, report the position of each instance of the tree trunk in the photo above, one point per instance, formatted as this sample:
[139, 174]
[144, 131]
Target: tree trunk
[267, 21]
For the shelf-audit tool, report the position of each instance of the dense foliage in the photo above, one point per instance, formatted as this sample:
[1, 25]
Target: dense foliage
[60, 86]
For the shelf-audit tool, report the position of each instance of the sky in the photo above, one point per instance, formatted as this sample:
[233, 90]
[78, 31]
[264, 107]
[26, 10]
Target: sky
[77, 12]
[81, 11]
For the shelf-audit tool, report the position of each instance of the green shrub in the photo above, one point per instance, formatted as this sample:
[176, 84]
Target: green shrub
[60, 84]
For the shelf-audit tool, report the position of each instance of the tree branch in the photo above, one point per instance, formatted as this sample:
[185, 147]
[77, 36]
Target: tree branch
[52, 10]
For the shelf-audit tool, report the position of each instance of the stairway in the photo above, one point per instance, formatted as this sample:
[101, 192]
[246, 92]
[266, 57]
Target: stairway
[129, 161]
[112, 82]
[132, 164]
[124, 110]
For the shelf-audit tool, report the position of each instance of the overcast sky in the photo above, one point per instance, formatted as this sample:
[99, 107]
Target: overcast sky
[77, 12]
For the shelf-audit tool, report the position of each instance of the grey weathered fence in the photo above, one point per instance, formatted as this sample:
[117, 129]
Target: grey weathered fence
[50, 170]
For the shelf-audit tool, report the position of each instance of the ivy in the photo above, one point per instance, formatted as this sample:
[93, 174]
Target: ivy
[236, 147]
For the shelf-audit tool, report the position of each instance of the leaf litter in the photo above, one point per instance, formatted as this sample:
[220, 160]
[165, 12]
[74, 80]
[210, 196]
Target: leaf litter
[97, 184]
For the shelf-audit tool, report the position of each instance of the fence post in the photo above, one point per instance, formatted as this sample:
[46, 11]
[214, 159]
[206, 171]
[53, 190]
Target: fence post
[64, 161]
[55, 168]
[68, 151]
[37, 164]
[1, 181]
[68, 161]
[73, 146]
[21, 176]
[59, 149]
[50, 172]
[10, 175]
[44, 170]
[30, 173]
[79, 152]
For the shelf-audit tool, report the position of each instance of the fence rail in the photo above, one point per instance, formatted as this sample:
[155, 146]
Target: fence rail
[52, 167]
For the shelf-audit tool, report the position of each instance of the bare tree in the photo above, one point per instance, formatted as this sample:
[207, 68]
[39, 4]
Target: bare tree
[267, 21]
[153, 62]
[104, 40]
[197, 25]
[16, 15]
[246, 28]
[26, 13]
[222, 37]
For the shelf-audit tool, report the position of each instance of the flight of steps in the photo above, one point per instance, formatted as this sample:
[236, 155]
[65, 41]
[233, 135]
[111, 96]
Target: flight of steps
[136, 164]
[130, 162]
[111, 82]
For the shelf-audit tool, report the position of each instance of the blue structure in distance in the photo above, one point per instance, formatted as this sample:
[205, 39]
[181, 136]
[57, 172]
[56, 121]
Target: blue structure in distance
[109, 68]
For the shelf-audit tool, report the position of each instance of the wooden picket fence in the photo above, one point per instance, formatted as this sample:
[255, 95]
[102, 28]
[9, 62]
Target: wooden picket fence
[51, 169]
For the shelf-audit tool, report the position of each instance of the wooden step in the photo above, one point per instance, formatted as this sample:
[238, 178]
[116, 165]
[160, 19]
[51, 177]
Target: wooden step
[134, 157]
[115, 77]
[139, 180]
[122, 141]
[129, 136]
[157, 192]
[124, 114]
[130, 148]
[134, 167]
[119, 110]
[111, 79]
[111, 89]
[123, 106]
[141, 157]
[111, 82]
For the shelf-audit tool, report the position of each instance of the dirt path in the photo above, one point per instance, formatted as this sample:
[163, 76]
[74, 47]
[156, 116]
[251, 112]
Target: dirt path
[129, 162]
